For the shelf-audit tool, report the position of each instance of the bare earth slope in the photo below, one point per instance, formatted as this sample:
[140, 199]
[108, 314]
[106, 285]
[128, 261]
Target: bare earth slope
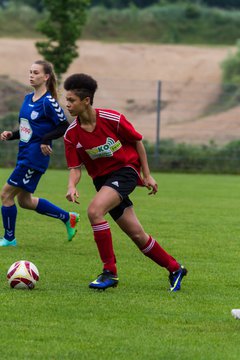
[127, 75]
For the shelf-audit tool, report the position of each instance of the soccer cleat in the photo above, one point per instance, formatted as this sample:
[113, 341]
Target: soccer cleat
[71, 225]
[105, 280]
[176, 277]
[5, 242]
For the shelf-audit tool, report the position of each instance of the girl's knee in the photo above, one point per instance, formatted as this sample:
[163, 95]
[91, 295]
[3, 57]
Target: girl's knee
[94, 214]
[140, 238]
[6, 197]
[2, 196]
[25, 202]
[22, 203]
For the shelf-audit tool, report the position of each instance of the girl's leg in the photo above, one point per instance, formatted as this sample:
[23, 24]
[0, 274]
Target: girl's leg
[106, 199]
[130, 224]
[9, 214]
[44, 207]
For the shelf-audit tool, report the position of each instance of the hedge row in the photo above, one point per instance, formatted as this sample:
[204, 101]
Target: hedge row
[171, 157]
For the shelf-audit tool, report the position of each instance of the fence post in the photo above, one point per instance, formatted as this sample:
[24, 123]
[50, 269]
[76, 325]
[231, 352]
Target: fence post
[159, 88]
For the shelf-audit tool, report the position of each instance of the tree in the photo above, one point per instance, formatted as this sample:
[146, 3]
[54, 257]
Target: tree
[62, 26]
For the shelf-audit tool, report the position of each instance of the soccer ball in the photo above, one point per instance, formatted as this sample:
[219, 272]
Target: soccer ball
[236, 313]
[22, 274]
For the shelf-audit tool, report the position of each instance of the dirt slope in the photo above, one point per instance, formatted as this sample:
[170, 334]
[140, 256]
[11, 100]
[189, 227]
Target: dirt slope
[127, 75]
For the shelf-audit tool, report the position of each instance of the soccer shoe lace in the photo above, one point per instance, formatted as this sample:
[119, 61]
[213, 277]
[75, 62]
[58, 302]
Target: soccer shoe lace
[71, 225]
[5, 242]
[105, 280]
[176, 277]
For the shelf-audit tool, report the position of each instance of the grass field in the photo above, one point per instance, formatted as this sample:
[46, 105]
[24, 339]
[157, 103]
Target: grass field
[195, 217]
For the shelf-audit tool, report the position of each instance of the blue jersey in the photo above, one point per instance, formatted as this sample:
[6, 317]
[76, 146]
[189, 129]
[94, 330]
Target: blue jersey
[36, 119]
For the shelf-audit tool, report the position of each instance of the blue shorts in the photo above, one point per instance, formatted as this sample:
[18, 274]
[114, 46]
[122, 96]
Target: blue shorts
[24, 178]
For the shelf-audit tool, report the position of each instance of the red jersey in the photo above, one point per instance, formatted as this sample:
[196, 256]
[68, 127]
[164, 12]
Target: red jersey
[109, 147]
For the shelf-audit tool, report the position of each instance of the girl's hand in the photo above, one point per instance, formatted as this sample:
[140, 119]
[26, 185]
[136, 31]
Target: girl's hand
[72, 195]
[5, 135]
[46, 149]
[151, 184]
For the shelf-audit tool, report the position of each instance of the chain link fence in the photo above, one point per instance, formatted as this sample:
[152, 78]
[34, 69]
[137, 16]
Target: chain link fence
[199, 114]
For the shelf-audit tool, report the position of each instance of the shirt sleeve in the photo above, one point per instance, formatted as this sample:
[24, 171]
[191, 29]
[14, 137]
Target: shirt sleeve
[15, 135]
[53, 110]
[127, 131]
[58, 132]
[72, 156]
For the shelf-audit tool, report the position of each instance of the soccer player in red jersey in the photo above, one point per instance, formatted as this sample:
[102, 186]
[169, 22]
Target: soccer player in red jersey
[112, 151]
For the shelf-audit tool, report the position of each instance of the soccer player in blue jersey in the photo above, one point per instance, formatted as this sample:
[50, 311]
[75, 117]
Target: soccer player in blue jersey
[41, 120]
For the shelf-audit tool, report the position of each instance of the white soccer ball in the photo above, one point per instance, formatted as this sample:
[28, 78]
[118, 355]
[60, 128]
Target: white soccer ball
[236, 313]
[22, 274]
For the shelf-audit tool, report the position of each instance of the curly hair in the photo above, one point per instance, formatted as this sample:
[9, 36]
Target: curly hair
[82, 85]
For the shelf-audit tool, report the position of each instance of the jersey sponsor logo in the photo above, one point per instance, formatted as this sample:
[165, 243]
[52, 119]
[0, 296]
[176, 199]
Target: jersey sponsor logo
[25, 130]
[34, 115]
[105, 150]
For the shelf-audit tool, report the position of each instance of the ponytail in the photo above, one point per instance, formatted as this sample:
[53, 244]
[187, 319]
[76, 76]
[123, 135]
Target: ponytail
[52, 80]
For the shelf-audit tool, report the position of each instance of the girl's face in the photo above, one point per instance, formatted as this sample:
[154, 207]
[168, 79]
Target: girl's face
[75, 105]
[37, 77]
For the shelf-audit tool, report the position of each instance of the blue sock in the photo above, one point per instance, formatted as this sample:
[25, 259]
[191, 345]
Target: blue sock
[9, 216]
[44, 207]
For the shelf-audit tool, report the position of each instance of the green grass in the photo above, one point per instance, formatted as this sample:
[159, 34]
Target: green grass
[194, 217]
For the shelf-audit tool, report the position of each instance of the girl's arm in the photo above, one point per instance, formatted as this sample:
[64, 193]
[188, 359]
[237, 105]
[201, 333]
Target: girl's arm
[9, 135]
[74, 178]
[148, 180]
[58, 132]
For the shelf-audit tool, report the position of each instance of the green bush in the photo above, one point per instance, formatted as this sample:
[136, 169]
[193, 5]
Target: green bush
[18, 20]
[9, 121]
[231, 68]
[230, 88]
[183, 23]
[173, 157]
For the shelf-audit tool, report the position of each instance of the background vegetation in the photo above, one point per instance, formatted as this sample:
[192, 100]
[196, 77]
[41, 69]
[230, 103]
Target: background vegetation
[62, 27]
[188, 22]
[172, 157]
[172, 23]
